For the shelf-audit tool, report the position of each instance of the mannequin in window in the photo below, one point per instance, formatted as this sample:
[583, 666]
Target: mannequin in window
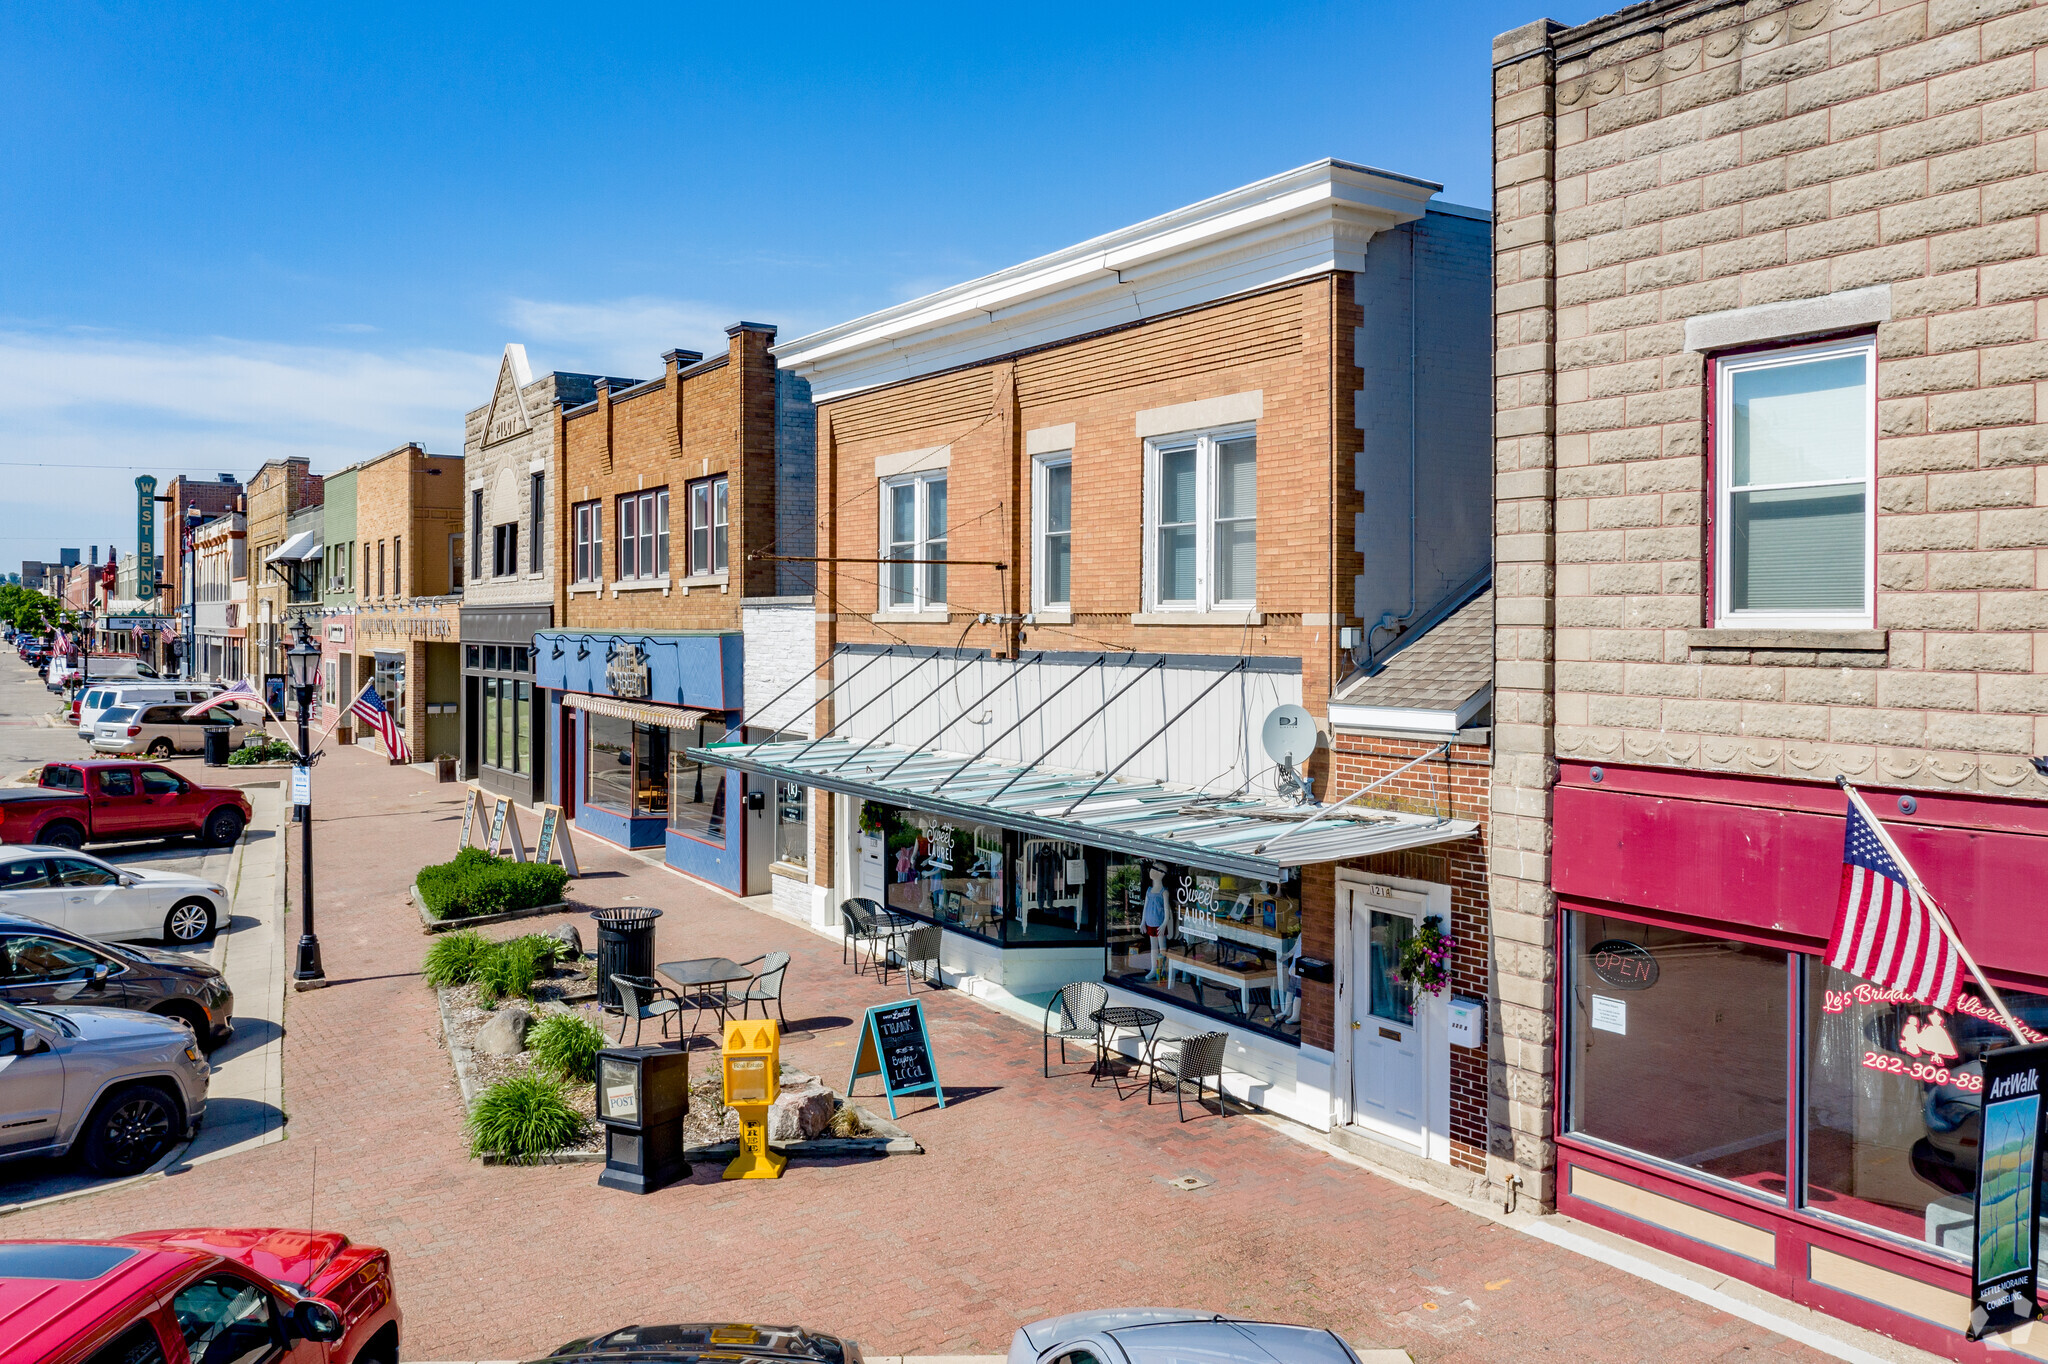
[1154, 921]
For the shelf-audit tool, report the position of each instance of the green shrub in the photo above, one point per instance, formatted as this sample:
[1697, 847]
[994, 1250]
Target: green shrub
[478, 883]
[522, 1117]
[566, 1046]
[454, 958]
[268, 751]
[509, 969]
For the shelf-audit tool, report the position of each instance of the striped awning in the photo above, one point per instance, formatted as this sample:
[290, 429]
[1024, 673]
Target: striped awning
[640, 712]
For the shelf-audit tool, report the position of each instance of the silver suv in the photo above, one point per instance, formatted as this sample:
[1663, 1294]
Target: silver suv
[118, 1087]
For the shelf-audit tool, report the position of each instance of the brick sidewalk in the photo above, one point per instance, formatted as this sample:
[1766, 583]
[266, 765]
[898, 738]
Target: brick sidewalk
[1038, 1196]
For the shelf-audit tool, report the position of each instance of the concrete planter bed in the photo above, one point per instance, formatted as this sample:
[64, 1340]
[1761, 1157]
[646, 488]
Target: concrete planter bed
[711, 1130]
[430, 924]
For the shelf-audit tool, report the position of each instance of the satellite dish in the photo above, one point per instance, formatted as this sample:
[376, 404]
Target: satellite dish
[1289, 735]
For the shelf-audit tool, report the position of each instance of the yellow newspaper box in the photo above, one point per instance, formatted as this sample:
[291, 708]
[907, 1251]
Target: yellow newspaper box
[753, 1071]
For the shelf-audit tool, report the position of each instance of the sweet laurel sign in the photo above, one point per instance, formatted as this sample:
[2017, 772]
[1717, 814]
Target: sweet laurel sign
[895, 1046]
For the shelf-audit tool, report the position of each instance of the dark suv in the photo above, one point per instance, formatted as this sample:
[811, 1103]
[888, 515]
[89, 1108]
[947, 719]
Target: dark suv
[43, 964]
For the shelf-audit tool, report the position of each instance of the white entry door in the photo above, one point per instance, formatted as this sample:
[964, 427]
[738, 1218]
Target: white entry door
[1390, 1060]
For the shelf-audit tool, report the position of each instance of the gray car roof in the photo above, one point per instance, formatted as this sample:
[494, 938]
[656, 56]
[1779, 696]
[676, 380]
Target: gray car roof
[1161, 1335]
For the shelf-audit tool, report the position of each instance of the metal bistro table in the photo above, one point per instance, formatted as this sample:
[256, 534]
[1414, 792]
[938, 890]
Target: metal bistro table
[695, 979]
[1123, 1016]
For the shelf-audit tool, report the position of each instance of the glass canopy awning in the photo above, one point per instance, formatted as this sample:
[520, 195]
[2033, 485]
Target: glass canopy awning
[1242, 836]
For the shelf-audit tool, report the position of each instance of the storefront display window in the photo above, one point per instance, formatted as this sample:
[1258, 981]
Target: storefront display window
[697, 790]
[1650, 1003]
[792, 824]
[627, 765]
[947, 872]
[1206, 940]
[1054, 903]
[1894, 1091]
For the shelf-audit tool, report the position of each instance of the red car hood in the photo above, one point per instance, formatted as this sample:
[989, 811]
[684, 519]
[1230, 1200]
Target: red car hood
[291, 1257]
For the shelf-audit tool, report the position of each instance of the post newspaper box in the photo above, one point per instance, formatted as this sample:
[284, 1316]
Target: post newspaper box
[643, 1094]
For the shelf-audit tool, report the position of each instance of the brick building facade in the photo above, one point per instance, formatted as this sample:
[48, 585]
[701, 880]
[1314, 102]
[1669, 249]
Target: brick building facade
[277, 491]
[1770, 512]
[405, 625]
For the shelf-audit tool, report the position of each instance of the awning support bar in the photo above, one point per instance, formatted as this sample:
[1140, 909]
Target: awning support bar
[770, 702]
[1221, 678]
[842, 682]
[1009, 675]
[1324, 814]
[1086, 720]
[913, 708]
[1099, 660]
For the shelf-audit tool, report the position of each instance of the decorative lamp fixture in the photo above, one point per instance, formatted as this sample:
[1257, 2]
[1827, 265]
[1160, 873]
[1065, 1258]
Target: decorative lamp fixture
[302, 660]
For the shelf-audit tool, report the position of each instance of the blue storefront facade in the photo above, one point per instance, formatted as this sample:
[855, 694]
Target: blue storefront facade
[624, 708]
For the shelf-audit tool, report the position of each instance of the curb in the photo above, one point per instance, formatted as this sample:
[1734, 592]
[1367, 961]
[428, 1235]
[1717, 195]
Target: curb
[429, 924]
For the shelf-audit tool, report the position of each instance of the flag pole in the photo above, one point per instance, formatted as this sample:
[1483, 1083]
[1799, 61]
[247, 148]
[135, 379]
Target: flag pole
[344, 710]
[1919, 890]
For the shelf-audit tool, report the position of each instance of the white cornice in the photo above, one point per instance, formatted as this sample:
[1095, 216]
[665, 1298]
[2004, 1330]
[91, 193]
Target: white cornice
[1313, 219]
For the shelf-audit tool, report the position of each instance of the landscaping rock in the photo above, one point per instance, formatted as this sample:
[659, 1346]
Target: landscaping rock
[505, 1034]
[803, 1110]
[567, 935]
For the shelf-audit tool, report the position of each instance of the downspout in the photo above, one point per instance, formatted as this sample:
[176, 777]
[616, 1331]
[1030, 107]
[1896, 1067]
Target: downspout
[1389, 620]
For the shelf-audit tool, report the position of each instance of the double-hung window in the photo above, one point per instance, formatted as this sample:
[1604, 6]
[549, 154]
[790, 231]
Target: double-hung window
[505, 550]
[476, 531]
[589, 523]
[1795, 463]
[643, 535]
[914, 540]
[1052, 500]
[707, 526]
[1201, 521]
[536, 504]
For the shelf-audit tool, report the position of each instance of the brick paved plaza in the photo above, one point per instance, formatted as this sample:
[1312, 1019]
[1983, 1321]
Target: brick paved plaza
[1037, 1196]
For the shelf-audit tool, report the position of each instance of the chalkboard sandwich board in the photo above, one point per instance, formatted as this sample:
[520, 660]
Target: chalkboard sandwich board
[895, 1045]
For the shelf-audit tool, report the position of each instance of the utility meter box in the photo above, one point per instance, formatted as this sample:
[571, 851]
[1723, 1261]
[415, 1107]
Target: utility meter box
[1468, 1022]
[643, 1094]
[753, 1080]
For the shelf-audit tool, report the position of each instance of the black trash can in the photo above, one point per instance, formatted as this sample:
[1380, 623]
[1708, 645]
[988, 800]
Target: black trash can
[217, 745]
[625, 947]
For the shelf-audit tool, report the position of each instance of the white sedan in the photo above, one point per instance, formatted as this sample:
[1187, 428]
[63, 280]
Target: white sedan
[77, 891]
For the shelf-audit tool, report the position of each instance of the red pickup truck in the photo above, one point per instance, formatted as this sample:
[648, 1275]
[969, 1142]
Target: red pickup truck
[106, 801]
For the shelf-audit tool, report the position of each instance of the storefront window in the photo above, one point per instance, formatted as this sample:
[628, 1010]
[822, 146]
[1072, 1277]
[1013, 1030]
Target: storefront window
[626, 764]
[1054, 902]
[522, 726]
[1206, 940]
[792, 824]
[697, 790]
[1894, 1093]
[938, 869]
[490, 723]
[1651, 1004]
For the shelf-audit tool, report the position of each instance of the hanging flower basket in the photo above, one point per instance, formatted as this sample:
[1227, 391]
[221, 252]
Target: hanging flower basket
[1426, 958]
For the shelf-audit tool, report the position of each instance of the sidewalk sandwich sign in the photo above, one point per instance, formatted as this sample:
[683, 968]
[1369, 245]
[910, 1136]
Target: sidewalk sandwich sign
[2005, 1275]
[895, 1045]
[505, 819]
[469, 808]
[554, 838]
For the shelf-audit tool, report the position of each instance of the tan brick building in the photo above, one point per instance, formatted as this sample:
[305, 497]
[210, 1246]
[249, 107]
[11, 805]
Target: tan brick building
[406, 632]
[1770, 511]
[1096, 521]
[278, 491]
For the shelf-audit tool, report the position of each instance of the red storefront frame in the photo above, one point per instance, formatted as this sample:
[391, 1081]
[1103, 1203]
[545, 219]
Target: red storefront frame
[1758, 860]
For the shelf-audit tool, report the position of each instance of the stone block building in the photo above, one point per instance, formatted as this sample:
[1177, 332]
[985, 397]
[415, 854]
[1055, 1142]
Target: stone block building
[1771, 510]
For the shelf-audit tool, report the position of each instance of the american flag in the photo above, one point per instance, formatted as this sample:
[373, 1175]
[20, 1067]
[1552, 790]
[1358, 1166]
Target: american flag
[370, 710]
[1886, 933]
[243, 690]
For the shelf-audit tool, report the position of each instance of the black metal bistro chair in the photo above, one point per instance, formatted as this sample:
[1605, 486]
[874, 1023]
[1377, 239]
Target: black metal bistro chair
[919, 956]
[1177, 1061]
[766, 986]
[1073, 1010]
[869, 927]
[642, 998]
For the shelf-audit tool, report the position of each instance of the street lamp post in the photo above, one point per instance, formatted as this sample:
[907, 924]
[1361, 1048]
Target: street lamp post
[302, 669]
[193, 517]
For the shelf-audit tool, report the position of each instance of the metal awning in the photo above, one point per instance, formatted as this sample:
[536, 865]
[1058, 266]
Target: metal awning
[1245, 837]
[639, 712]
[304, 545]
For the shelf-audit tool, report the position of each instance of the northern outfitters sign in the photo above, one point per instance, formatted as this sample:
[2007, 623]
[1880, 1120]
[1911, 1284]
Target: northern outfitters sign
[145, 538]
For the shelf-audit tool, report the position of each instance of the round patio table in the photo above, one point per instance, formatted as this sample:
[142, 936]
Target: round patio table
[1135, 1017]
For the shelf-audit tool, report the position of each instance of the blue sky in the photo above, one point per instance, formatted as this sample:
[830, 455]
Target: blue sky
[231, 233]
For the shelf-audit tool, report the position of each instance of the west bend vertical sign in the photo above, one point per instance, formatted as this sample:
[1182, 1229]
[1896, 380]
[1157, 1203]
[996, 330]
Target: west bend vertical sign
[145, 538]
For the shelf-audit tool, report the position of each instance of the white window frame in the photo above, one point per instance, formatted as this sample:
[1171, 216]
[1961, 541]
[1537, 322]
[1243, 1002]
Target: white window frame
[649, 535]
[716, 529]
[1041, 466]
[1205, 443]
[1725, 369]
[587, 540]
[919, 542]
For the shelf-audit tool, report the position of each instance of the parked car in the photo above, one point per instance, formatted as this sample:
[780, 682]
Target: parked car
[41, 963]
[691, 1343]
[79, 892]
[1165, 1335]
[162, 730]
[94, 700]
[208, 1295]
[107, 800]
[116, 1086]
[97, 668]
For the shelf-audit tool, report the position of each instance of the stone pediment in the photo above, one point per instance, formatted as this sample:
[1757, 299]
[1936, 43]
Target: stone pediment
[508, 416]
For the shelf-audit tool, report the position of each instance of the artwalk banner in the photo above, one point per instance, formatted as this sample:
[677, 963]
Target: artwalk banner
[2005, 1282]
